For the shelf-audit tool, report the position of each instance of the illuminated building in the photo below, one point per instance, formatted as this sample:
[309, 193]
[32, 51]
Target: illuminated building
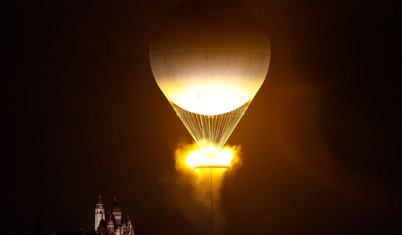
[112, 223]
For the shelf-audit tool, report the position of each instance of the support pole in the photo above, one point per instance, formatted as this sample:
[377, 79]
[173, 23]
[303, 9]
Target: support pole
[210, 173]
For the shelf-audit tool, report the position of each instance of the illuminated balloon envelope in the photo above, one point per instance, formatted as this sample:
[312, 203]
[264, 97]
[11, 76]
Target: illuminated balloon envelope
[210, 58]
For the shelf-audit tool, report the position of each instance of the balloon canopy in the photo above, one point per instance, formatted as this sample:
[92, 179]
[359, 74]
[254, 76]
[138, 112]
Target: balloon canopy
[210, 58]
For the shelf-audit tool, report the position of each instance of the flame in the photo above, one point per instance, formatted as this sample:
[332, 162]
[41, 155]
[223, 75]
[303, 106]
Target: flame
[201, 178]
[198, 159]
[191, 156]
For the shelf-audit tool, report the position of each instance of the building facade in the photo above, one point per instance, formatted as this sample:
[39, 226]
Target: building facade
[112, 222]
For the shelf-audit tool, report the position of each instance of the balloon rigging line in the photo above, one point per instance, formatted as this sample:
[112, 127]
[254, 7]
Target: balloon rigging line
[211, 131]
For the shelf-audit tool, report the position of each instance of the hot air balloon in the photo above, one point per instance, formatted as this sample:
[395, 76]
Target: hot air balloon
[210, 58]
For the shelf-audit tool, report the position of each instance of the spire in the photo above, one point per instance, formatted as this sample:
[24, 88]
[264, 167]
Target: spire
[110, 221]
[128, 219]
[115, 206]
[100, 199]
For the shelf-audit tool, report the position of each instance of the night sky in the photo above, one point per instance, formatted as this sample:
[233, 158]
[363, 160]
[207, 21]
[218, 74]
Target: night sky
[83, 114]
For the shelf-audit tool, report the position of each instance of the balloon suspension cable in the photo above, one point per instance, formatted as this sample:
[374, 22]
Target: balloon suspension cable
[210, 174]
[210, 131]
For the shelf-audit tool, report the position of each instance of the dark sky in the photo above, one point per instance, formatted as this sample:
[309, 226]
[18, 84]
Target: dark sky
[82, 114]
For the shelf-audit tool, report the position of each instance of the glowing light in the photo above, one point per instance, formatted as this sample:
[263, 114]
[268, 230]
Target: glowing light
[210, 68]
[210, 85]
[199, 159]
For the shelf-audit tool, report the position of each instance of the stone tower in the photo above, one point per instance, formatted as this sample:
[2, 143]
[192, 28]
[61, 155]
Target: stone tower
[99, 212]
